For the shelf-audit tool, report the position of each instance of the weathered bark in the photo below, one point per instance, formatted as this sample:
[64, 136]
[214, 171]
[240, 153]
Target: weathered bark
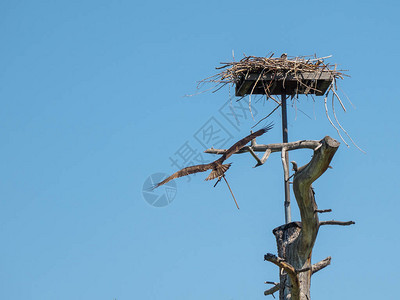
[295, 240]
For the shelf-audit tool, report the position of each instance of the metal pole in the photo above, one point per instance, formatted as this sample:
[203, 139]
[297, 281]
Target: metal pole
[288, 217]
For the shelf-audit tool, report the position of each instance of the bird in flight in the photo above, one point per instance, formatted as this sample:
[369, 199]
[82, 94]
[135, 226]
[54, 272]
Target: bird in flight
[217, 166]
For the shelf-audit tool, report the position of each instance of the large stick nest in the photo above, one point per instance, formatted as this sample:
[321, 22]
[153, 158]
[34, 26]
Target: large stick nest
[281, 68]
[293, 66]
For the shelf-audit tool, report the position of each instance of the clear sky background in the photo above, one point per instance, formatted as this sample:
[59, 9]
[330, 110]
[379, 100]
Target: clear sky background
[91, 104]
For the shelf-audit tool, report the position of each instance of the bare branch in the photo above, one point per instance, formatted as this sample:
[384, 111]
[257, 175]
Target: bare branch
[316, 267]
[290, 270]
[255, 156]
[284, 164]
[273, 290]
[271, 282]
[264, 158]
[304, 144]
[320, 265]
[253, 141]
[321, 211]
[280, 262]
[333, 222]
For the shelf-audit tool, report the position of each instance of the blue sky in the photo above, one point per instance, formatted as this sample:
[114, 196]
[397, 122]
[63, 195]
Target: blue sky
[92, 103]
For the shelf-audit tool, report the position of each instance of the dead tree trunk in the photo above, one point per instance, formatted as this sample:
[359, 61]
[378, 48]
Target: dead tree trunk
[295, 240]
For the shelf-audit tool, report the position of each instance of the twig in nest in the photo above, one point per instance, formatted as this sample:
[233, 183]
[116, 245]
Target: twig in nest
[251, 112]
[337, 96]
[348, 99]
[337, 121]
[330, 121]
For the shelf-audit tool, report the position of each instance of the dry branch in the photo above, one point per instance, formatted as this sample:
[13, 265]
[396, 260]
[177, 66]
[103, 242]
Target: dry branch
[272, 290]
[280, 262]
[289, 269]
[333, 222]
[317, 266]
[285, 164]
[304, 144]
[264, 158]
[255, 156]
[323, 210]
[320, 265]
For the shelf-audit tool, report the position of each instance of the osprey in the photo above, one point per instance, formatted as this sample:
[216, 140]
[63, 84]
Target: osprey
[217, 166]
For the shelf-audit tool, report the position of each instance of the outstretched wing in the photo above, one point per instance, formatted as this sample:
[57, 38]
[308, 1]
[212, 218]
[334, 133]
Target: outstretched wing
[240, 144]
[184, 172]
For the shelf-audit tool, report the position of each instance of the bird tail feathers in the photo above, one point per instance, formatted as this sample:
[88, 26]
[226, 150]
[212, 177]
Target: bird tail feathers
[218, 172]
